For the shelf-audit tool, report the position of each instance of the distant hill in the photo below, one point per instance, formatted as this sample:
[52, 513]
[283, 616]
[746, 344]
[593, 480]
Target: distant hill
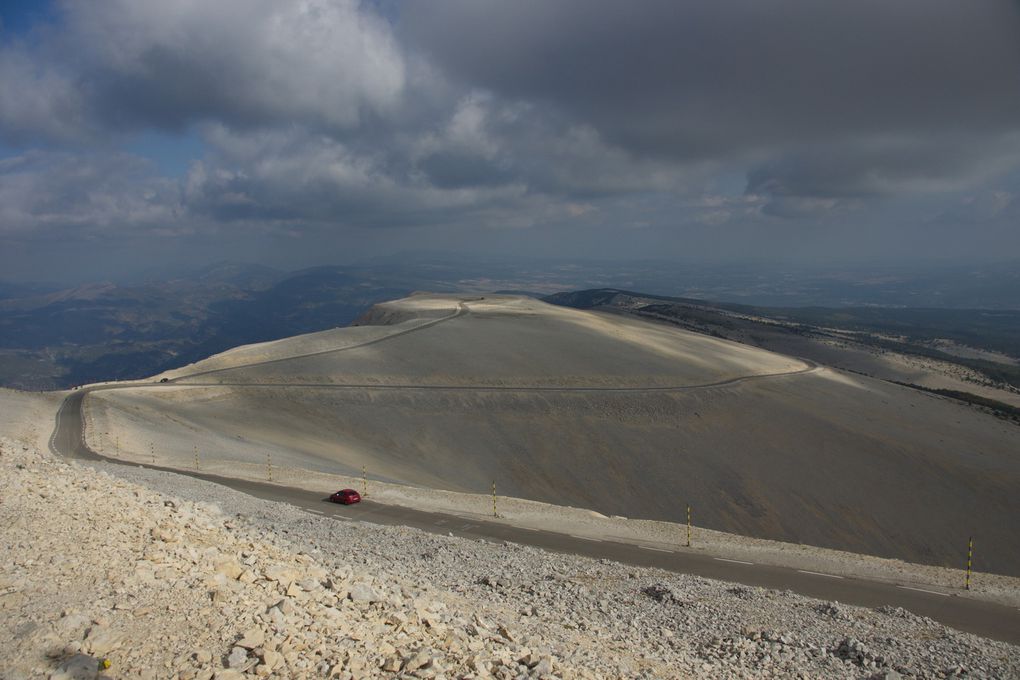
[960, 351]
[997, 330]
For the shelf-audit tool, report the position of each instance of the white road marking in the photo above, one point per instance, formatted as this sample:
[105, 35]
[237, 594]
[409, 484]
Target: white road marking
[529, 528]
[922, 590]
[469, 526]
[648, 547]
[818, 573]
[586, 538]
[317, 512]
[723, 559]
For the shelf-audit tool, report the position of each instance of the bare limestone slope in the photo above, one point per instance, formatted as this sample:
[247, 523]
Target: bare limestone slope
[143, 583]
[501, 341]
[602, 412]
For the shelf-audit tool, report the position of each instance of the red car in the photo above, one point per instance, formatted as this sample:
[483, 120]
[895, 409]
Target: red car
[346, 496]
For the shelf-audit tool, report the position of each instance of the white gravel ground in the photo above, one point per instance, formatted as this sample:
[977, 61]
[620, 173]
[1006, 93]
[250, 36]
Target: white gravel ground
[591, 617]
[87, 589]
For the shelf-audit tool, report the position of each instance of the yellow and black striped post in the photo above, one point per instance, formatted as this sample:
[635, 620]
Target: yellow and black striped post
[196, 456]
[364, 480]
[970, 556]
[152, 452]
[494, 514]
[688, 526]
[269, 466]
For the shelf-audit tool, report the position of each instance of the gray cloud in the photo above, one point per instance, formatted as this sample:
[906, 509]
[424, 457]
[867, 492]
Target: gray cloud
[58, 195]
[689, 79]
[568, 97]
[814, 181]
[124, 65]
[991, 206]
[41, 100]
[792, 83]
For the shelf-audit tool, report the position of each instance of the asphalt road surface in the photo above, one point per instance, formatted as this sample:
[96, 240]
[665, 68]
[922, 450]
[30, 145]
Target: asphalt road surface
[990, 620]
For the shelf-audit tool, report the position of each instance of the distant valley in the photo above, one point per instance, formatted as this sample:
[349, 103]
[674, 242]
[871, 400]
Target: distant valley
[108, 332]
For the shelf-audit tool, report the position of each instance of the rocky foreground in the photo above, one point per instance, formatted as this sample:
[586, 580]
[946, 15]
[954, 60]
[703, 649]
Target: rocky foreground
[104, 576]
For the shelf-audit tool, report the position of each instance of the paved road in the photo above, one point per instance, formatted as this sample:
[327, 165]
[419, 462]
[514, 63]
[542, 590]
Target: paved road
[989, 620]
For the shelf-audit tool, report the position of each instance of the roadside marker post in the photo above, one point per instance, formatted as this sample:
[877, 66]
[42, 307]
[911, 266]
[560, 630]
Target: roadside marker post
[152, 453]
[196, 456]
[970, 556]
[364, 480]
[688, 526]
[269, 466]
[494, 513]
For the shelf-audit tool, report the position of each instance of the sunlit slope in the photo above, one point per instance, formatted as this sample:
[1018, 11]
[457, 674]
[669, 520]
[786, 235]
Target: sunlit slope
[510, 341]
[390, 319]
[557, 413]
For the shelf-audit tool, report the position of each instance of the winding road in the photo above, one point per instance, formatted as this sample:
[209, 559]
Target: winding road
[953, 608]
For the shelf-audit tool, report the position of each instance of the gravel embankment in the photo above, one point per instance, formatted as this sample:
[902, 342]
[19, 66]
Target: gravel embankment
[105, 565]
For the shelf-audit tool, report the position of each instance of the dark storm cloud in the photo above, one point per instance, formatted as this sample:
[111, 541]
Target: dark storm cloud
[696, 78]
[826, 177]
[750, 79]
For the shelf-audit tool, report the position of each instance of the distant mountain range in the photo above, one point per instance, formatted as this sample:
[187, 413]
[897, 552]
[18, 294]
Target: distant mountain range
[993, 330]
[54, 338]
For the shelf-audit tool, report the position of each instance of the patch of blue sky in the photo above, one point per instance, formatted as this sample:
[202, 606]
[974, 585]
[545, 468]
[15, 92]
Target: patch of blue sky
[172, 153]
[18, 16]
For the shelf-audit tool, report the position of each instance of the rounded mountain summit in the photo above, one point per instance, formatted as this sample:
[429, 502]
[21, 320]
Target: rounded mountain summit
[607, 412]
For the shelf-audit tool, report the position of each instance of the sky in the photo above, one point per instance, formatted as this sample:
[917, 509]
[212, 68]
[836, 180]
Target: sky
[137, 133]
